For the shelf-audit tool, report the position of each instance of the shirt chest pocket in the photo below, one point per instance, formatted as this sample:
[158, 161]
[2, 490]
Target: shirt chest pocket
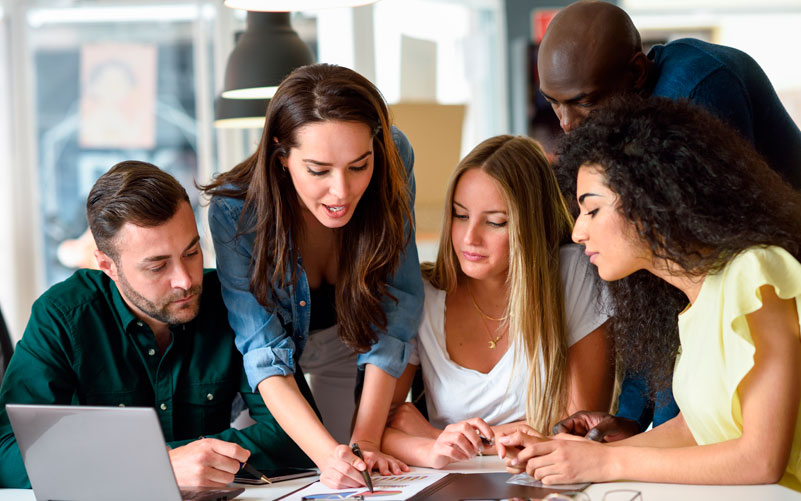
[204, 409]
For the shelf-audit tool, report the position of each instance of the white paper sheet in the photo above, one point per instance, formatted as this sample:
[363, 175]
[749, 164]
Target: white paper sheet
[387, 488]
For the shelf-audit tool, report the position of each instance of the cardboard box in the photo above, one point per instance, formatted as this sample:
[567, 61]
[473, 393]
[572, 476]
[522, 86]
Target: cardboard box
[435, 132]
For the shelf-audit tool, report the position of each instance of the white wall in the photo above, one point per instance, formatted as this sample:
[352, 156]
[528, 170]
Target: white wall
[21, 276]
[769, 31]
[6, 161]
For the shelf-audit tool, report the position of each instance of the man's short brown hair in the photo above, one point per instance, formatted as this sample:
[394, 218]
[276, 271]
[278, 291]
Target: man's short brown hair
[131, 192]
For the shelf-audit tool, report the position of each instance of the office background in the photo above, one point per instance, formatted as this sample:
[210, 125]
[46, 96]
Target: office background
[87, 83]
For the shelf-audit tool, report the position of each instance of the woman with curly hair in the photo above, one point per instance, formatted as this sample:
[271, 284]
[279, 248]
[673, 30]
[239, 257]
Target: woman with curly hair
[697, 236]
[318, 264]
[512, 327]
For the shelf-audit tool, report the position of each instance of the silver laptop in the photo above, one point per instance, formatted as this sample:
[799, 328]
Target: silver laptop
[83, 453]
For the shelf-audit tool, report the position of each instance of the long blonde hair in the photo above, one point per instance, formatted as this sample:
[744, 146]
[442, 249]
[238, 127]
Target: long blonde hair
[539, 223]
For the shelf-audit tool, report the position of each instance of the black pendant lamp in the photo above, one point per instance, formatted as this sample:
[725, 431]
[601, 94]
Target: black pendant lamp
[239, 113]
[267, 51]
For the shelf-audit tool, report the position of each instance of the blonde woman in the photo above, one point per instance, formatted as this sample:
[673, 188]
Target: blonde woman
[512, 327]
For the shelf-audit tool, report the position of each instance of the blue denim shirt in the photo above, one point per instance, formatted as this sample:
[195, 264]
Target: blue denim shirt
[272, 340]
[635, 403]
[729, 84]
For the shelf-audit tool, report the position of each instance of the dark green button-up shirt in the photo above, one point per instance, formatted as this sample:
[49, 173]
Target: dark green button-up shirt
[83, 346]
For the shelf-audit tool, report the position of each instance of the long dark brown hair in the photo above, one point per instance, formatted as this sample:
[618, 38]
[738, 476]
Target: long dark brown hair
[370, 245]
[698, 195]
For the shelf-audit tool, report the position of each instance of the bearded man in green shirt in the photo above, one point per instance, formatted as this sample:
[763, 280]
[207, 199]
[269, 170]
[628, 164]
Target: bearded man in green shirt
[149, 329]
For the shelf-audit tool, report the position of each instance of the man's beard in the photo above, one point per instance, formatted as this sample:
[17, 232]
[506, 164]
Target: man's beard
[161, 311]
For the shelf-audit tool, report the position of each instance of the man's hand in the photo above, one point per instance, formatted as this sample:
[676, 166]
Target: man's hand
[597, 426]
[207, 462]
[408, 419]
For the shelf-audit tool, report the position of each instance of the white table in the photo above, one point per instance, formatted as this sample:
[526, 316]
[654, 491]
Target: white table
[654, 492]
[650, 491]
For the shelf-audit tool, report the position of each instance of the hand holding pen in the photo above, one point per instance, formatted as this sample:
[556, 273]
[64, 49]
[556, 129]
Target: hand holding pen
[255, 473]
[208, 462]
[365, 473]
[343, 469]
[460, 441]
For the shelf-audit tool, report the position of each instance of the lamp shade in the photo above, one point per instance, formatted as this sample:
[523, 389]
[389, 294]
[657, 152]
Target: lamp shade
[239, 113]
[293, 5]
[267, 51]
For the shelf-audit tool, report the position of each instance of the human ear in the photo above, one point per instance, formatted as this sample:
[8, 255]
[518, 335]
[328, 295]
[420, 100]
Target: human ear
[638, 71]
[106, 264]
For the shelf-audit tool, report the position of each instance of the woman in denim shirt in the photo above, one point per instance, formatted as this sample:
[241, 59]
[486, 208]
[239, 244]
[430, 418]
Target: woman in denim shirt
[325, 202]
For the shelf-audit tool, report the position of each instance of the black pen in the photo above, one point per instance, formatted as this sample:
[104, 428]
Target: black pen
[251, 470]
[256, 473]
[365, 473]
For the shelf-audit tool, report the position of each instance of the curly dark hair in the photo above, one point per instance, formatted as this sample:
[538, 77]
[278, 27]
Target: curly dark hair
[698, 194]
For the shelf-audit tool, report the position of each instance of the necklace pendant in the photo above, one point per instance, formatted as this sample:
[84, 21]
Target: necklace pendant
[492, 344]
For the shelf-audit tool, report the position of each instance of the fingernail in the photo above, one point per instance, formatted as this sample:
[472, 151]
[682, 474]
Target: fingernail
[514, 461]
[594, 434]
[504, 440]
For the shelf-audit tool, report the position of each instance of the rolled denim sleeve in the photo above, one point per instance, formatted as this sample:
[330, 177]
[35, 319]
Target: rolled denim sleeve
[392, 350]
[267, 349]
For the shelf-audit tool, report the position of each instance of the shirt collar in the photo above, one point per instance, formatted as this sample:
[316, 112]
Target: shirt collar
[121, 307]
[127, 317]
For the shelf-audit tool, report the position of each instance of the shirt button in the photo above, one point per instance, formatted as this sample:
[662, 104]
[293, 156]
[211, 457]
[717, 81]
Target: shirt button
[122, 405]
[163, 407]
[151, 352]
[302, 303]
[209, 397]
[140, 324]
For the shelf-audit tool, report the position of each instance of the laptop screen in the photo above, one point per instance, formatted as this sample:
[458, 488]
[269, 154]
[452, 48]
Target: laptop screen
[93, 453]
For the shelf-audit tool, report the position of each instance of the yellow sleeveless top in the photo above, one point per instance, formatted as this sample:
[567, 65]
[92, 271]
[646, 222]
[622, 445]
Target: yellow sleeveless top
[717, 350]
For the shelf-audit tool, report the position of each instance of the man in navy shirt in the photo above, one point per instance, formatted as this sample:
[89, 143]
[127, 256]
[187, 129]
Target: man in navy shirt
[591, 53]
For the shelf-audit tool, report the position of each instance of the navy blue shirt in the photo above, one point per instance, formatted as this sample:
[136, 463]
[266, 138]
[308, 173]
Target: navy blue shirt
[635, 402]
[729, 84]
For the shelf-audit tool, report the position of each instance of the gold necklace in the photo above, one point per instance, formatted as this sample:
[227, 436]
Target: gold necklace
[493, 342]
[478, 308]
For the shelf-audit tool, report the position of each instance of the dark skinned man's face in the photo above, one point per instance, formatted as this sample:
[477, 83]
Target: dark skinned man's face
[574, 88]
